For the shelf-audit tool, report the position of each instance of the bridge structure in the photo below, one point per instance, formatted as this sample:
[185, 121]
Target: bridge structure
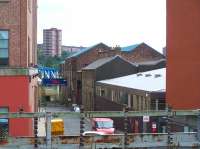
[175, 140]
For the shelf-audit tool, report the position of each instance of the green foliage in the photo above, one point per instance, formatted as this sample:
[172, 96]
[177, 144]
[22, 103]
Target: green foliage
[49, 61]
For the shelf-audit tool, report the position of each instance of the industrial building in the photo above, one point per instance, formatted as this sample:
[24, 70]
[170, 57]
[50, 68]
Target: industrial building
[71, 69]
[141, 91]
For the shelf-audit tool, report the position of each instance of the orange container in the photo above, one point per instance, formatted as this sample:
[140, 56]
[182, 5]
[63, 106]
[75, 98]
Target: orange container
[57, 126]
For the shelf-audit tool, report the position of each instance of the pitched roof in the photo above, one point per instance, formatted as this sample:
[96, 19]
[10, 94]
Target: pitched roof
[123, 49]
[100, 62]
[151, 81]
[85, 50]
[155, 62]
[130, 48]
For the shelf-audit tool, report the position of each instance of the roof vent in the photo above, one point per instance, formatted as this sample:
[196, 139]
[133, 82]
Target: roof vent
[157, 75]
[139, 74]
[147, 75]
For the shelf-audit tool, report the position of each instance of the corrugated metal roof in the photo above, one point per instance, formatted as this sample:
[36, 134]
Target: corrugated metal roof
[154, 80]
[130, 48]
[84, 50]
[123, 49]
[99, 63]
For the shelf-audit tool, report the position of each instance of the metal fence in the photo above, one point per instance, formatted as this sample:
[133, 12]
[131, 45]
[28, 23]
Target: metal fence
[125, 140]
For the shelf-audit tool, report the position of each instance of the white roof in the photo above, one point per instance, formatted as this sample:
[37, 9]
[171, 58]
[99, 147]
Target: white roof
[154, 80]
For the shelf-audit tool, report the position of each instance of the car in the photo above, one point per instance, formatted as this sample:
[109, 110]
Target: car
[104, 125]
[75, 108]
[93, 133]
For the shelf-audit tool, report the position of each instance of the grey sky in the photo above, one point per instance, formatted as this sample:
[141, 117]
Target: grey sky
[113, 22]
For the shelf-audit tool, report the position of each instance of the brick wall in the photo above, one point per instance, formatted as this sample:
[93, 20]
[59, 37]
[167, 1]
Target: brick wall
[183, 44]
[21, 23]
[103, 104]
[95, 53]
[117, 67]
[88, 90]
[142, 53]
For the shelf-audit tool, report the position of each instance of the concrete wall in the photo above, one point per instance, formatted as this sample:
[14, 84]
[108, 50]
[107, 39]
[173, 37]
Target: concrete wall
[183, 44]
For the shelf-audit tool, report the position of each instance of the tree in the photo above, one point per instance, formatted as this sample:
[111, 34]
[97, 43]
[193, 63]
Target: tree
[49, 61]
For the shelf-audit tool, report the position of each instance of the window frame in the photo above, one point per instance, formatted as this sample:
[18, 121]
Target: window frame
[4, 107]
[8, 49]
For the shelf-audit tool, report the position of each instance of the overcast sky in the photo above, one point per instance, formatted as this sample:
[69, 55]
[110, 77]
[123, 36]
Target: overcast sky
[113, 22]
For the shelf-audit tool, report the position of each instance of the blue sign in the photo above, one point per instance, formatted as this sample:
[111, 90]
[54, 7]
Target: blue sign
[54, 82]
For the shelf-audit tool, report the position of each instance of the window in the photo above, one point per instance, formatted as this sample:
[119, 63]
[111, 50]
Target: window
[124, 98]
[141, 103]
[138, 104]
[4, 44]
[131, 101]
[102, 92]
[3, 124]
[112, 95]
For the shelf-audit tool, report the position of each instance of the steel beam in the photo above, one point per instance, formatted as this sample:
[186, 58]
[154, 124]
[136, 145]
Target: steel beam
[147, 140]
[91, 114]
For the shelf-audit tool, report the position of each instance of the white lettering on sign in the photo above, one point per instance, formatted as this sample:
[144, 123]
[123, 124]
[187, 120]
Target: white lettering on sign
[145, 118]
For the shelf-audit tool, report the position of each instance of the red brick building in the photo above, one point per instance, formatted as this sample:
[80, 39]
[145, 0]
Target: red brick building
[183, 44]
[71, 70]
[18, 53]
[140, 53]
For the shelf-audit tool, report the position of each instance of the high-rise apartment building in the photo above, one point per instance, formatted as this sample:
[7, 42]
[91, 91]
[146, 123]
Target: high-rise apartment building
[18, 56]
[183, 50]
[52, 42]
